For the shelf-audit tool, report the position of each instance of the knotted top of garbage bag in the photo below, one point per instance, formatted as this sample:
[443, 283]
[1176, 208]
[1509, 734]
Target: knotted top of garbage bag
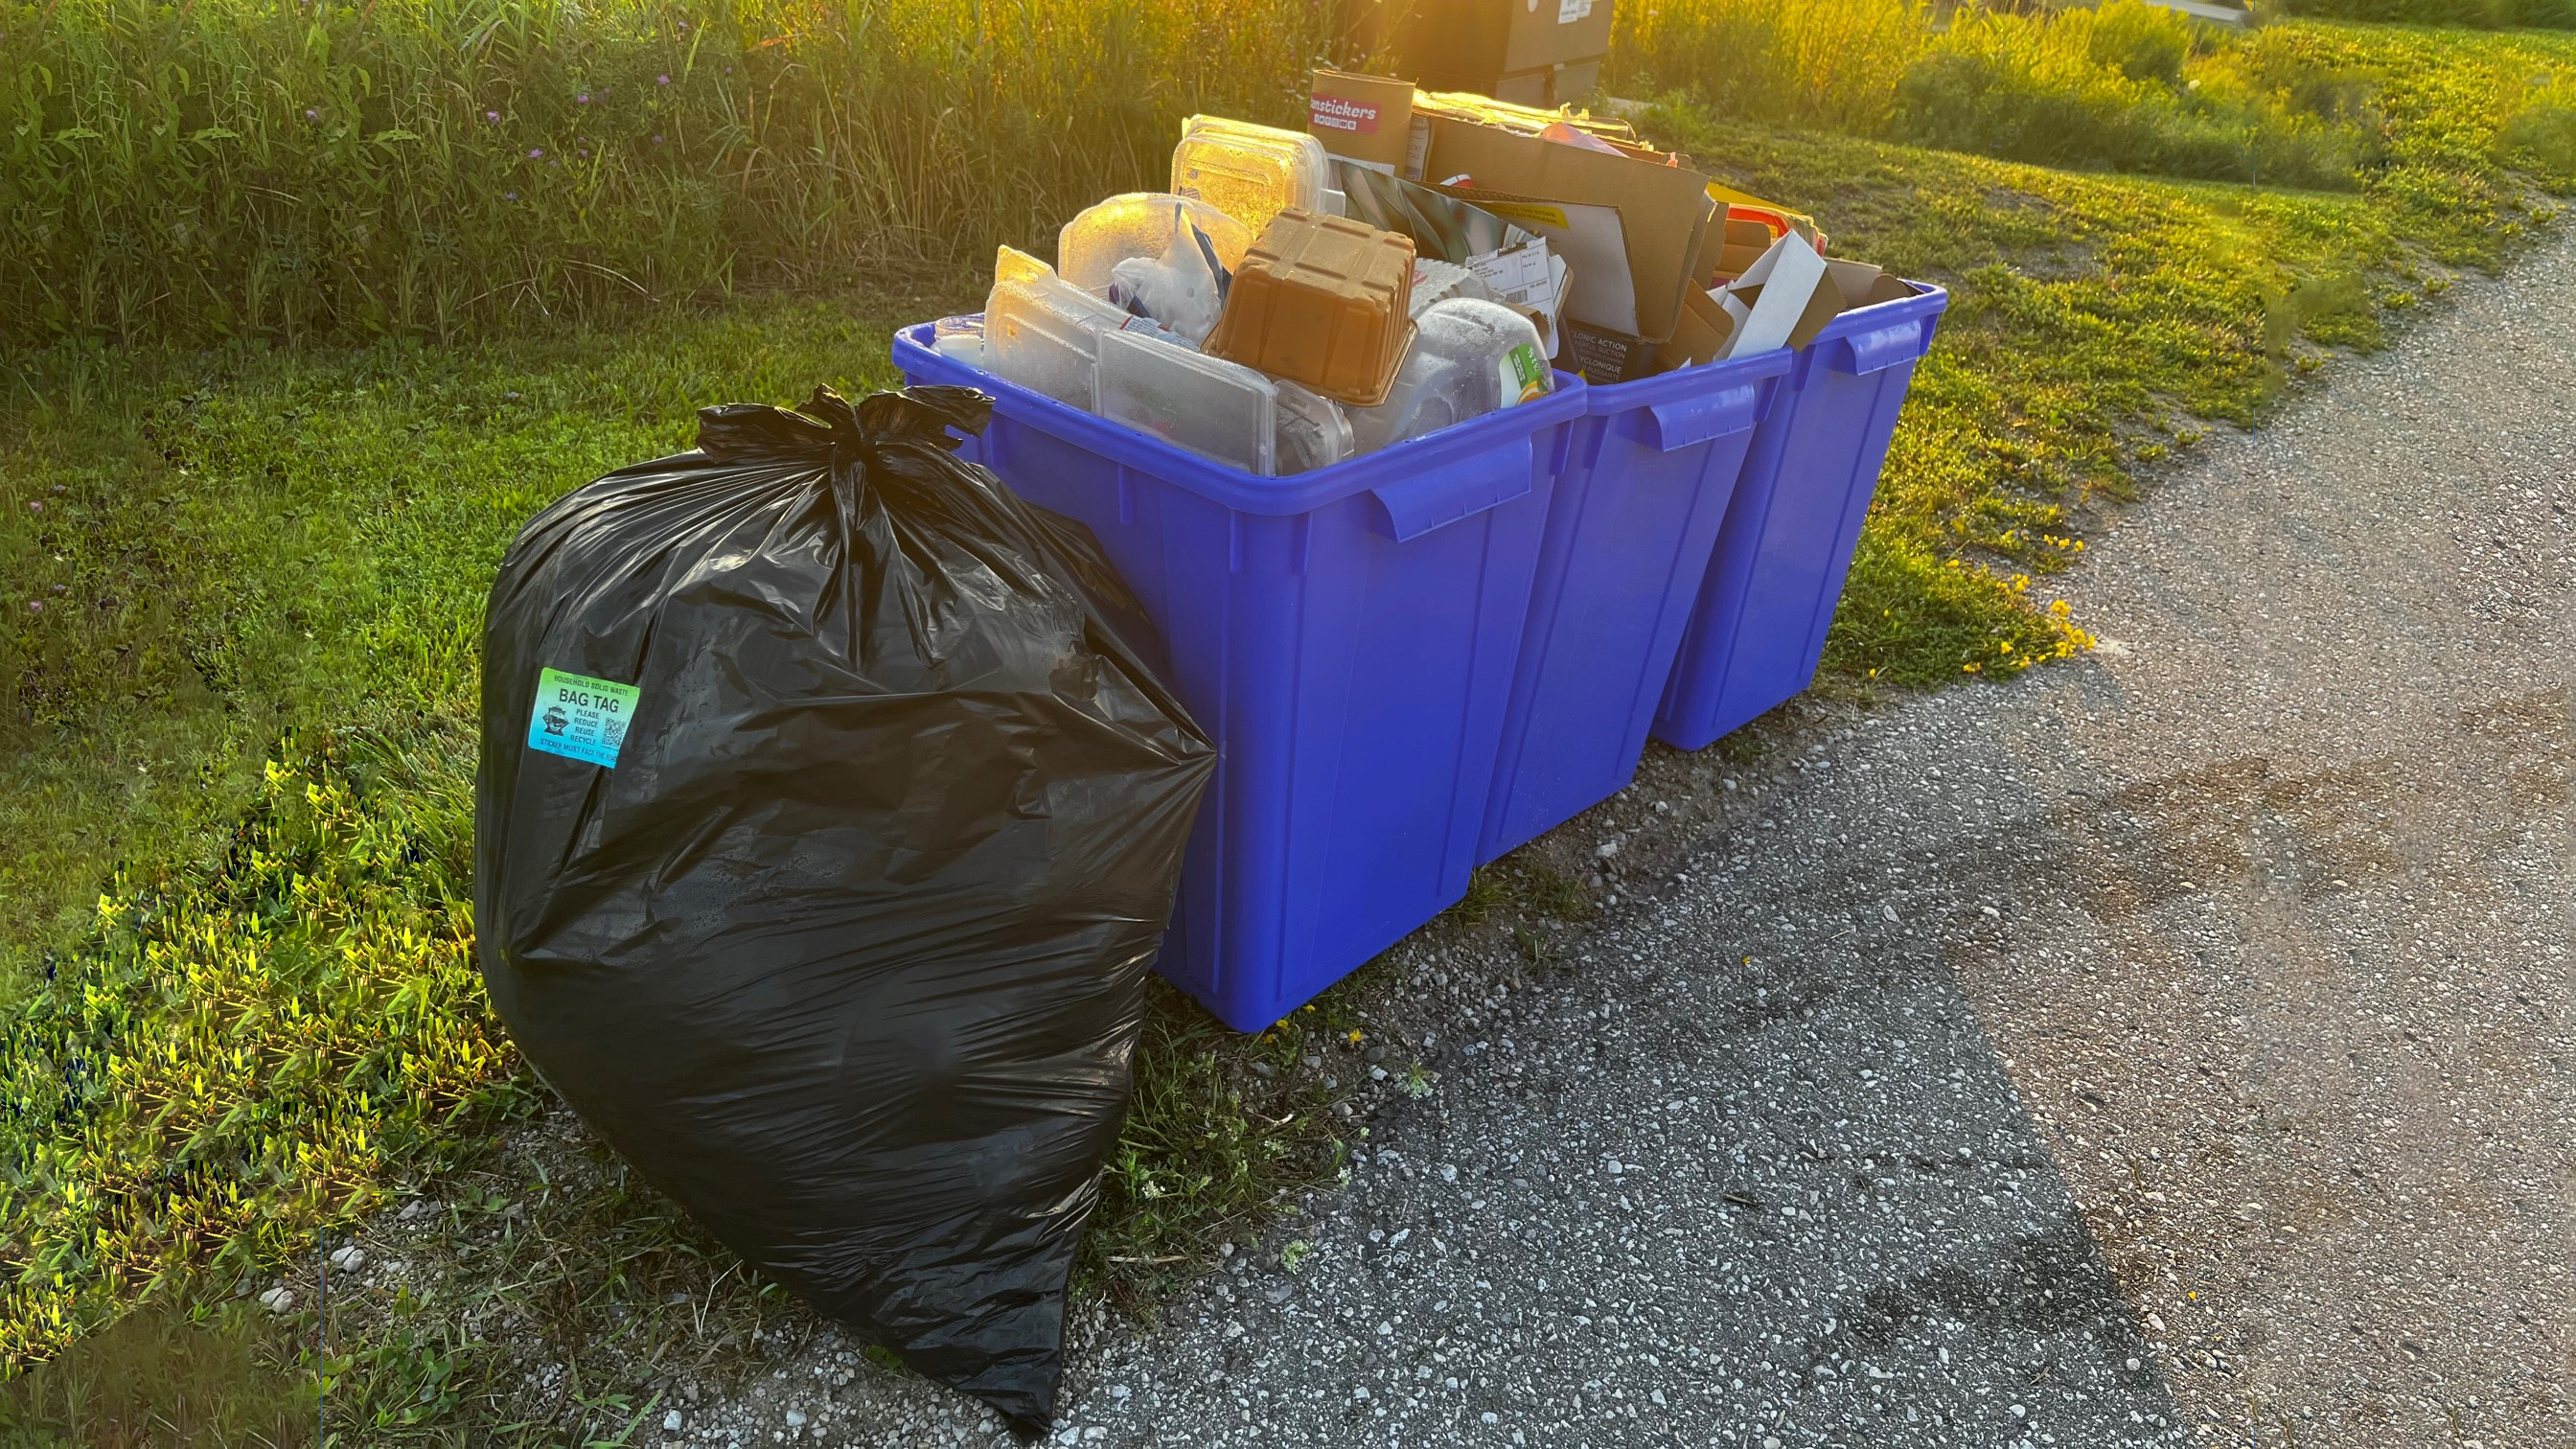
[830, 430]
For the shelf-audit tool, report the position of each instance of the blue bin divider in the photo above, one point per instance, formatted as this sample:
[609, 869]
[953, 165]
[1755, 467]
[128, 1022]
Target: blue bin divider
[1629, 534]
[1758, 630]
[1347, 636]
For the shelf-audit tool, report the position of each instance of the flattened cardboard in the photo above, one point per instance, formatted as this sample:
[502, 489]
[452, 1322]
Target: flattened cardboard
[1664, 210]
[1592, 240]
[1364, 118]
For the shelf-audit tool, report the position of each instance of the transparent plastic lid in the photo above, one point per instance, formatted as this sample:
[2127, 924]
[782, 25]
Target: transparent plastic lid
[1249, 172]
[1042, 334]
[1141, 224]
[1206, 405]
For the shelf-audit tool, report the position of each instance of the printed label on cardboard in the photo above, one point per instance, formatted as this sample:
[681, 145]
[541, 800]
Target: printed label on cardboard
[1526, 211]
[581, 718]
[1570, 11]
[1359, 118]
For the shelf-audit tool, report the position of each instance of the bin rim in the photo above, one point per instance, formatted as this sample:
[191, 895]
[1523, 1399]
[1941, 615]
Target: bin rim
[1930, 299]
[1234, 488]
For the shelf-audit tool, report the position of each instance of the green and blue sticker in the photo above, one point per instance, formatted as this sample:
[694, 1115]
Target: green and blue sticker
[581, 718]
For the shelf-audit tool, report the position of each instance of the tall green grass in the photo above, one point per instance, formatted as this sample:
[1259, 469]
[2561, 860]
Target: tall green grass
[252, 167]
[2129, 87]
[1834, 63]
[2126, 86]
[2477, 14]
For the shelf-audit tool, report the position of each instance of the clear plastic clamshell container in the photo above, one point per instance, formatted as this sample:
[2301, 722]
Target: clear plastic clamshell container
[1249, 172]
[1468, 358]
[1207, 405]
[1314, 431]
[1142, 224]
[1010, 264]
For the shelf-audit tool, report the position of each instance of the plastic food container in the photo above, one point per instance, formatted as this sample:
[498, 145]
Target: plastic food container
[1321, 300]
[1347, 636]
[1141, 224]
[1204, 404]
[1044, 334]
[1314, 431]
[1467, 359]
[1252, 173]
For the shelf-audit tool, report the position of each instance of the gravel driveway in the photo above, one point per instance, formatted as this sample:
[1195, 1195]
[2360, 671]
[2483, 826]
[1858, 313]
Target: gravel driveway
[2173, 1047]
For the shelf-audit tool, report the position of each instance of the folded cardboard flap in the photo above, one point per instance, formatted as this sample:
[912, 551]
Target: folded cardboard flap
[1664, 209]
[1734, 243]
[1701, 334]
[1846, 285]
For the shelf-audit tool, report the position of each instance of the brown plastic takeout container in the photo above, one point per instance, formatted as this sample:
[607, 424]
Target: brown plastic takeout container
[1321, 300]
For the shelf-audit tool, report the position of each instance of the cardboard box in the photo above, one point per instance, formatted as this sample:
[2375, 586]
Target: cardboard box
[1663, 209]
[1602, 357]
[1553, 85]
[1472, 45]
[1368, 119]
[1320, 300]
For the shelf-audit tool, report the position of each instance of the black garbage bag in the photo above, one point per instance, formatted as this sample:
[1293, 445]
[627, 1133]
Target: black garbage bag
[827, 818]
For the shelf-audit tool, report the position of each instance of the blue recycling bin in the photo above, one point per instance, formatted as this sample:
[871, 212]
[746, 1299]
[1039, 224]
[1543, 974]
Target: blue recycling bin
[1757, 632]
[1347, 636]
[1630, 530]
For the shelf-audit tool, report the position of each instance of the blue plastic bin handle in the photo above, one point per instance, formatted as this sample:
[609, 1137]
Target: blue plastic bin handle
[1868, 352]
[1443, 495]
[1683, 421]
